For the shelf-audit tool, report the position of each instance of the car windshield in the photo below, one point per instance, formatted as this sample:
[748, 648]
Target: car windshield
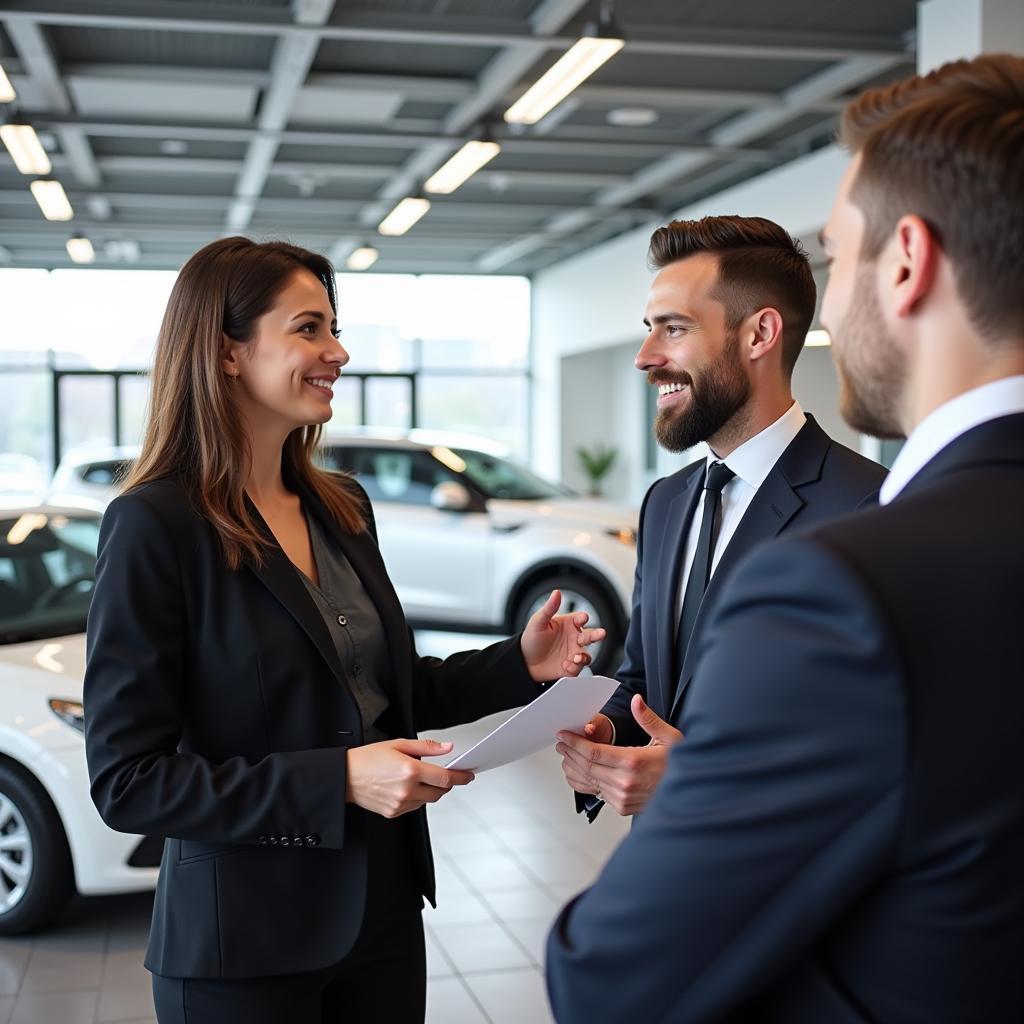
[499, 478]
[47, 571]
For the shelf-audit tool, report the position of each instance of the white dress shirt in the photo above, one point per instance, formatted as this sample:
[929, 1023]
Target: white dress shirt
[752, 461]
[945, 424]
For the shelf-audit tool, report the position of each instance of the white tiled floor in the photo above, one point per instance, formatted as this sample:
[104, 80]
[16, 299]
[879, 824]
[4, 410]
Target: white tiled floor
[509, 852]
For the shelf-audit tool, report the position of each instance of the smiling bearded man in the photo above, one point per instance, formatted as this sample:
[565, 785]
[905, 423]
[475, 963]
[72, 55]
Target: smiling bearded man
[727, 316]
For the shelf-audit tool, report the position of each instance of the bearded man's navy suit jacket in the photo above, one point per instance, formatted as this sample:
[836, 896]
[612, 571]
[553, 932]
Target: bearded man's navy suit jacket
[814, 480]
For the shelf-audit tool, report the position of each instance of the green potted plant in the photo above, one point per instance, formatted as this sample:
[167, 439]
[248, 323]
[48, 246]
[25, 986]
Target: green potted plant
[596, 463]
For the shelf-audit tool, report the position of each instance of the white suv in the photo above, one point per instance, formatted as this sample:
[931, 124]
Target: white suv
[473, 542]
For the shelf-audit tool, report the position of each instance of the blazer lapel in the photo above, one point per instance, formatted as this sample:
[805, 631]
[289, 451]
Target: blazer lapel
[281, 578]
[769, 512]
[668, 570]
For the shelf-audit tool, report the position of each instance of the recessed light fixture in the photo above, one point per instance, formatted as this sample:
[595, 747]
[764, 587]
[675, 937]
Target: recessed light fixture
[25, 148]
[632, 117]
[404, 215]
[818, 339]
[80, 249]
[461, 166]
[173, 147]
[362, 258]
[598, 44]
[52, 199]
[7, 93]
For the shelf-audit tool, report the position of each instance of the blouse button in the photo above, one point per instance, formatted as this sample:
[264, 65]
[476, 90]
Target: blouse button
[342, 621]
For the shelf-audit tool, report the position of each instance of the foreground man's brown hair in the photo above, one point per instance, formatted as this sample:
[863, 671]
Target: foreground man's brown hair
[949, 147]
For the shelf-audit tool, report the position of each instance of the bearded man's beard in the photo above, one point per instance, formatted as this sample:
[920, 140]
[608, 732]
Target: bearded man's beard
[716, 394]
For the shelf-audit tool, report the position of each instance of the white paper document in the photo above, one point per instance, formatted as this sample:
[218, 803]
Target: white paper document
[567, 705]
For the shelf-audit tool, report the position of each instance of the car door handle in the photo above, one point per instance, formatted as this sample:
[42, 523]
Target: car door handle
[506, 527]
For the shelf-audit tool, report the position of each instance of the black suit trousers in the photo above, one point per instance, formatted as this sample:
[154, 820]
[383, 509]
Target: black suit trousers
[383, 977]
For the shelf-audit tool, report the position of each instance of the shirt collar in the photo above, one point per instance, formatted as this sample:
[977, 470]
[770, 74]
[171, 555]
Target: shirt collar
[753, 460]
[944, 425]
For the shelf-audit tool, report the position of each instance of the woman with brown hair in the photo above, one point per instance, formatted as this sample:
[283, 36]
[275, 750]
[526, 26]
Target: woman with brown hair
[252, 691]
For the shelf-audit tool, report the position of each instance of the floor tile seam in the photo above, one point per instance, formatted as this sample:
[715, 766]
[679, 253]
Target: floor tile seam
[497, 919]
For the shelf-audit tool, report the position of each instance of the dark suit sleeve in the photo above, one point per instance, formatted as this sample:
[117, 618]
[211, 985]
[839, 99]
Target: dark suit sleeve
[135, 706]
[631, 674]
[470, 685]
[776, 811]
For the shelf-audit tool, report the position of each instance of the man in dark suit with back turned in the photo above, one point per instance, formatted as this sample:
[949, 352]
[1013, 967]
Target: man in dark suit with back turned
[727, 316]
[840, 835]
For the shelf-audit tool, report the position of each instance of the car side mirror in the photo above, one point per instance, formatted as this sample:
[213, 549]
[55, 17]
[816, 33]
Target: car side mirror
[450, 496]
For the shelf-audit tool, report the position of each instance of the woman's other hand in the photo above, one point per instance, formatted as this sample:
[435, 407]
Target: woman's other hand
[555, 645]
[389, 779]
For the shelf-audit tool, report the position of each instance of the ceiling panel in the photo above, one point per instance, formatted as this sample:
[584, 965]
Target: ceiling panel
[174, 121]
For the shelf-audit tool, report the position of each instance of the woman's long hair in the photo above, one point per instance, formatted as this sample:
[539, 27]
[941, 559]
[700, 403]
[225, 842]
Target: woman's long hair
[195, 432]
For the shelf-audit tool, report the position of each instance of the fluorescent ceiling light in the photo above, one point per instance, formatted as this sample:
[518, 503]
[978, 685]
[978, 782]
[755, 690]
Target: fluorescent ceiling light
[818, 339]
[576, 65]
[25, 148]
[80, 249]
[404, 215]
[52, 200]
[362, 258]
[462, 165]
[7, 93]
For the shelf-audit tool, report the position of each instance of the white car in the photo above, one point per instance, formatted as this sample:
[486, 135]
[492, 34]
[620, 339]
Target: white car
[88, 477]
[473, 542]
[52, 840]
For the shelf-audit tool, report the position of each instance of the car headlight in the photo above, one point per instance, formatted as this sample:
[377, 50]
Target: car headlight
[626, 536]
[70, 712]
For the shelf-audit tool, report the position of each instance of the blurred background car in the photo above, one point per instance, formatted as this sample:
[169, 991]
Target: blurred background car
[473, 541]
[52, 840]
[88, 477]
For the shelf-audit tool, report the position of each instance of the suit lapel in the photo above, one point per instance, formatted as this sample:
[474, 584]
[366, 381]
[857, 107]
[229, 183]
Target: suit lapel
[769, 512]
[281, 578]
[668, 569]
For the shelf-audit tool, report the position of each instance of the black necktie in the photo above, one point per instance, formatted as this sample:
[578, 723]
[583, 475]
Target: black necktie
[718, 475]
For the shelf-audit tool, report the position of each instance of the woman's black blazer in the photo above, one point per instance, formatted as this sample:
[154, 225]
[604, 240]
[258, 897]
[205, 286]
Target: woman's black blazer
[217, 714]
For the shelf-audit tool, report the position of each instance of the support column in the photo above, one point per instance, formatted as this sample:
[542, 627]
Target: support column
[950, 29]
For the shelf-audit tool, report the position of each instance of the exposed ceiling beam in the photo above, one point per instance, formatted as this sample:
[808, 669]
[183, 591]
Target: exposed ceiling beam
[354, 172]
[584, 142]
[440, 90]
[424, 31]
[736, 131]
[293, 57]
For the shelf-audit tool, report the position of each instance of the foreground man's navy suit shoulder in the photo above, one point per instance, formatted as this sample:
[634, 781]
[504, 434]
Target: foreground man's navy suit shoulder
[840, 836]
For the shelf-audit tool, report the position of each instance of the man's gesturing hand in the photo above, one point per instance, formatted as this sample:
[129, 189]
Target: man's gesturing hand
[624, 777]
[389, 779]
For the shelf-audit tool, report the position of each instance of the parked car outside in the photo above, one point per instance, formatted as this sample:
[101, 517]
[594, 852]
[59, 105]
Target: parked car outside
[473, 541]
[88, 477]
[52, 840]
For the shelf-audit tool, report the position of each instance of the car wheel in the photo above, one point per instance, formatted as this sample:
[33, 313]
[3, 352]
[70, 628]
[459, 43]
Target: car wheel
[579, 594]
[36, 880]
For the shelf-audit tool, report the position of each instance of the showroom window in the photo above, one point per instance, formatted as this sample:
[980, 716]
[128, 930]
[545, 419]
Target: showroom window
[443, 352]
